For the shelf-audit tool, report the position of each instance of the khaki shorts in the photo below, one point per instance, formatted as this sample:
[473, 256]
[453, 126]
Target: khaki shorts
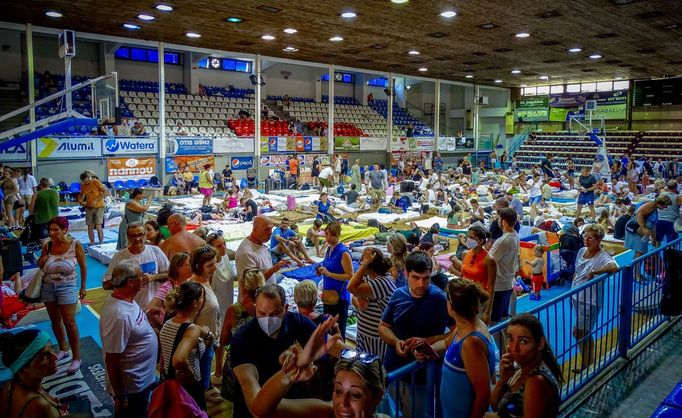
[94, 216]
[325, 182]
[378, 196]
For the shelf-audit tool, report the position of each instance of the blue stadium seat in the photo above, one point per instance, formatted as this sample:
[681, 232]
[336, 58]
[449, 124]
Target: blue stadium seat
[665, 411]
[130, 184]
[142, 183]
[675, 397]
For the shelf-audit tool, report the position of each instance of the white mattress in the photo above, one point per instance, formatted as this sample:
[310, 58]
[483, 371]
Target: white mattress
[388, 217]
[102, 253]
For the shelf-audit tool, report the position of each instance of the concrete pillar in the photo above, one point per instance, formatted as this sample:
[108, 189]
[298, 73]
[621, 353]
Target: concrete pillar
[330, 117]
[436, 116]
[31, 95]
[162, 113]
[257, 114]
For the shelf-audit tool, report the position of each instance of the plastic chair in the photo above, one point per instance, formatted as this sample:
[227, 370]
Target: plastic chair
[142, 183]
[130, 184]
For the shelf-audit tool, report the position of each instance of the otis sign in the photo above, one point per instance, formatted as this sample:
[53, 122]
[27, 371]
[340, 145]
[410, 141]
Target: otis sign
[122, 146]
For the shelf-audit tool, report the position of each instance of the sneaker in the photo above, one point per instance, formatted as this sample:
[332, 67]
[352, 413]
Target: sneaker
[73, 367]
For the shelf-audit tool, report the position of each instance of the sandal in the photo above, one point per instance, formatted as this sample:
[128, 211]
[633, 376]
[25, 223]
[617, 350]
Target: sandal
[213, 395]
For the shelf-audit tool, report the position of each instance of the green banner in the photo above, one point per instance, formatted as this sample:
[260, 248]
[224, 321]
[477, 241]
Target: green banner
[346, 143]
[558, 114]
[534, 103]
[532, 115]
[614, 111]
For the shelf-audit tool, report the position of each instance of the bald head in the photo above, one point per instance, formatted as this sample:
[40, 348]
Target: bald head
[262, 229]
[176, 223]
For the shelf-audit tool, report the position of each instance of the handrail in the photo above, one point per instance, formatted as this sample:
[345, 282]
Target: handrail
[55, 95]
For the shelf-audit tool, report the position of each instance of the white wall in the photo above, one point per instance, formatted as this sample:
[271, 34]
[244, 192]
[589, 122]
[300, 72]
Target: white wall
[300, 82]
[11, 55]
[46, 58]
[148, 71]
[340, 89]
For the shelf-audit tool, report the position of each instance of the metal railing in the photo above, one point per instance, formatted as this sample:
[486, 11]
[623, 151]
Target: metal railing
[616, 313]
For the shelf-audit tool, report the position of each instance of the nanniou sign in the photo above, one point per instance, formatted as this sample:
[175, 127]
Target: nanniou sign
[130, 168]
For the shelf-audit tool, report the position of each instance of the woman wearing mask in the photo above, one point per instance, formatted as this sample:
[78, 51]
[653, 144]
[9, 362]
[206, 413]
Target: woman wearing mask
[183, 363]
[336, 270]
[179, 272]
[529, 374]
[371, 287]
[476, 266]
[238, 314]
[203, 261]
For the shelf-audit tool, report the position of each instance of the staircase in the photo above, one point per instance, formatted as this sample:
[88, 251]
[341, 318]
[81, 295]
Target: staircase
[11, 100]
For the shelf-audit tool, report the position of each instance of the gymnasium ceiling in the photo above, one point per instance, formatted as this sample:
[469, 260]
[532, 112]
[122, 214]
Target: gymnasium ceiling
[636, 38]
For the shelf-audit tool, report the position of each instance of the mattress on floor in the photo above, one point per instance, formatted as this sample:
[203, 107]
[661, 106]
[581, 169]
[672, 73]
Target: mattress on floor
[110, 236]
[102, 253]
[232, 232]
[348, 232]
[429, 222]
[386, 218]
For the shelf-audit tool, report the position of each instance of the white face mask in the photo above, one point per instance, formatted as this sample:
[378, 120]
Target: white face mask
[471, 243]
[270, 324]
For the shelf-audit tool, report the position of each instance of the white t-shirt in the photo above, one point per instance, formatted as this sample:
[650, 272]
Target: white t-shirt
[209, 315]
[223, 284]
[252, 255]
[591, 295]
[326, 173]
[152, 261]
[26, 187]
[535, 188]
[430, 197]
[124, 330]
[505, 252]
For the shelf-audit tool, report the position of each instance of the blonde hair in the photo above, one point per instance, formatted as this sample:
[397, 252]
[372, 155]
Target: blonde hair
[398, 243]
[305, 294]
[334, 228]
[596, 229]
[539, 249]
[251, 280]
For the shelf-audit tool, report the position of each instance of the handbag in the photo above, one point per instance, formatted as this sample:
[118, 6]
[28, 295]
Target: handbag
[331, 297]
[31, 293]
[632, 225]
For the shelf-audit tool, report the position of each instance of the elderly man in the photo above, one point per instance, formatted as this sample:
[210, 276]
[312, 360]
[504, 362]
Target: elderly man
[129, 343]
[92, 197]
[257, 345]
[180, 240]
[253, 253]
[151, 260]
[415, 313]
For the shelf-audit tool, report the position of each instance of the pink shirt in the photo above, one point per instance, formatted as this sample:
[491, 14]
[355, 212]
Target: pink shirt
[166, 287]
[232, 202]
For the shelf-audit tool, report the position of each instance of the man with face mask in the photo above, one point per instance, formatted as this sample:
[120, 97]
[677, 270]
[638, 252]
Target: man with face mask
[256, 347]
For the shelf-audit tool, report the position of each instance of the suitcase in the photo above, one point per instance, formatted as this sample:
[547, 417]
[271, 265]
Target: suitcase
[291, 202]
[12, 262]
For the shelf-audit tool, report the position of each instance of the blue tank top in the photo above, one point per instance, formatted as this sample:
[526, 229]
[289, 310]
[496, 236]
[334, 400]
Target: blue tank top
[332, 262]
[456, 393]
[322, 208]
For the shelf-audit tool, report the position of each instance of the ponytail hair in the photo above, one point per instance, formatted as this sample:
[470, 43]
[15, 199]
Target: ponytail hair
[182, 297]
[532, 324]
[467, 298]
[380, 265]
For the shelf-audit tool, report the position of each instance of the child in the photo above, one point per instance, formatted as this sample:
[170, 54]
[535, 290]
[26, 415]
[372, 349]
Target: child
[315, 237]
[537, 278]
[604, 220]
[546, 193]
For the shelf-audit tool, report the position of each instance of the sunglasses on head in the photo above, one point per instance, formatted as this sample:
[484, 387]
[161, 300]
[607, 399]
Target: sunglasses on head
[353, 355]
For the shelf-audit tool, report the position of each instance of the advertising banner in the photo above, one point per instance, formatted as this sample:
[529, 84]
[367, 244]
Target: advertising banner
[308, 143]
[194, 162]
[373, 144]
[193, 146]
[16, 153]
[532, 115]
[532, 103]
[241, 163]
[226, 145]
[559, 114]
[425, 144]
[578, 99]
[131, 146]
[69, 148]
[130, 168]
[272, 144]
[611, 111]
[281, 160]
[346, 143]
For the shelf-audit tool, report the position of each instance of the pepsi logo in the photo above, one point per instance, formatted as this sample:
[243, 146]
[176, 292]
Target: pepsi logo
[235, 162]
[308, 141]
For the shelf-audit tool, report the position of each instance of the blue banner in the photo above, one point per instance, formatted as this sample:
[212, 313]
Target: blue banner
[171, 167]
[307, 143]
[241, 163]
[272, 143]
[193, 146]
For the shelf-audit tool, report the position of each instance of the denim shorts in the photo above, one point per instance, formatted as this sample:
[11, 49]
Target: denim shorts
[64, 293]
[586, 198]
[535, 200]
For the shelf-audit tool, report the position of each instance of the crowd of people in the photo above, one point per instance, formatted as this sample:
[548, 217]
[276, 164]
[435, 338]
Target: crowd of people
[172, 310]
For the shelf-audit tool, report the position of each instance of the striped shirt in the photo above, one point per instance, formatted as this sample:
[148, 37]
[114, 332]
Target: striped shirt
[167, 337]
[368, 319]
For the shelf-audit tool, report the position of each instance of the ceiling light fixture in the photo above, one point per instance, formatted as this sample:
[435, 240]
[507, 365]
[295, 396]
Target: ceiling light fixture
[423, 69]
[164, 7]
[145, 17]
[399, 1]
[544, 77]
[523, 85]
[449, 13]
[498, 81]
[54, 14]
[233, 19]
[131, 26]
[413, 52]
[336, 39]
[595, 56]
[516, 71]
[522, 35]
[469, 76]
[290, 31]
[192, 35]
[290, 49]
[268, 37]
[574, 50]
[348, 15]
